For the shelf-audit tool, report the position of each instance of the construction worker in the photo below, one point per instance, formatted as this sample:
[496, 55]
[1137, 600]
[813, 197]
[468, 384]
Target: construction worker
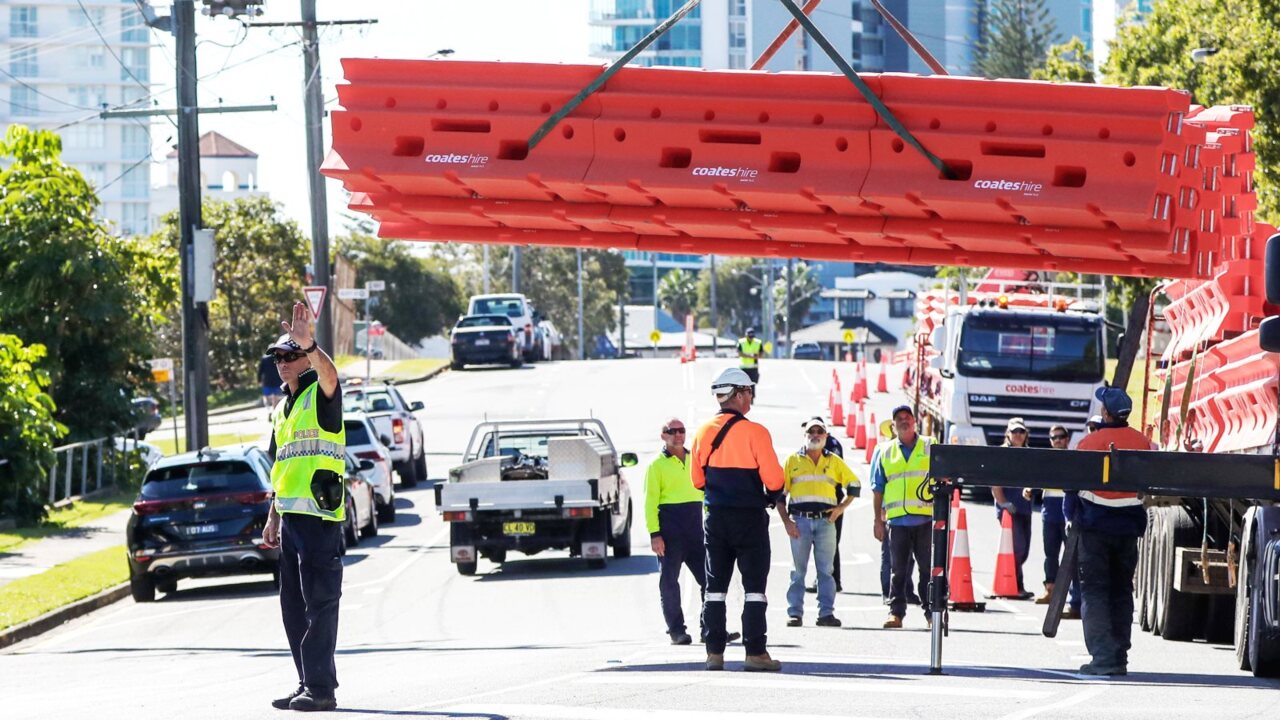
[812, 477]
[834, 447]
[1011, 500]
[1054, 534]
[1109, 524]
[912, 598]
[749, 352]
[903, 510]
[734, 463]
[673, 514]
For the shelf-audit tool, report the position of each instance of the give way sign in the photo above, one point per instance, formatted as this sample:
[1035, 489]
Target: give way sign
[315, 297]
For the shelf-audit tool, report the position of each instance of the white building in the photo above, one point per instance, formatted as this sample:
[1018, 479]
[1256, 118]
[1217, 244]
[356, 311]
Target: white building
[60, 64]
[228, 170]
[878, 308]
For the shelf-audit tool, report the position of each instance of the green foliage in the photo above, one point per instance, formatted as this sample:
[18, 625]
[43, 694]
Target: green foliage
[1245, 70]
[549, 277]
[1016, 39]
[260, 262]
[805, 288]
[422, 296]
[28, 431]
[736, 305]
[678, 292]
[92, 299]
[1068, 62]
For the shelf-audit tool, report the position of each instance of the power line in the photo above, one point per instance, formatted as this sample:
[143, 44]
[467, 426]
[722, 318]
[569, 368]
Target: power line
[57, 41]
[41, 93]
[110, 49]
[126, 171]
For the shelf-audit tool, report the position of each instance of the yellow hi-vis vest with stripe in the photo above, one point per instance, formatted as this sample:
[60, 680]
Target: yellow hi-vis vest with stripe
[302, 448]
[750, 347]
[903, 478]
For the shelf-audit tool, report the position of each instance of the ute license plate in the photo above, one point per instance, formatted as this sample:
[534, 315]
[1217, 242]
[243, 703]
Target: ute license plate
[518, 528]
[208, 529]
[482, 341]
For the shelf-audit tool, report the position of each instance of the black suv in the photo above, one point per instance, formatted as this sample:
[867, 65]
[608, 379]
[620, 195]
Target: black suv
[201, 514]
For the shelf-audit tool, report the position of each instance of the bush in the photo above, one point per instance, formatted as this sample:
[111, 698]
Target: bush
[28, 431]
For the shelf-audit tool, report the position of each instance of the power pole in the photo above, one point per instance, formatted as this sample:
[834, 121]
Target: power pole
[516, 251]
[786, 313]
[486, 269]
[581, 355]
[715, 318]
[313, 104]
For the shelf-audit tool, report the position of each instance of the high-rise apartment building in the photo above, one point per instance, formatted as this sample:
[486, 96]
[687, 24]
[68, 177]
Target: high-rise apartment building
[60, 63]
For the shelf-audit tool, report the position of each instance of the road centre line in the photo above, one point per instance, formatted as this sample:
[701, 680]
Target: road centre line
[858, 686]
[569, 712]
[1080, 697]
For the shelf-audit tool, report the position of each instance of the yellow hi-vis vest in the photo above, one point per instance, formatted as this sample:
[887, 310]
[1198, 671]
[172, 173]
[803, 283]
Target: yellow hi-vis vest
[750, 347]
[302, 448]
[903, 478]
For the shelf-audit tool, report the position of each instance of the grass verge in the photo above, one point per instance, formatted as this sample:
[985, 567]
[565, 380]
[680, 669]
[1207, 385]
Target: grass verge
[30, 597]
[61, 519]
[168, 447]
[415, 368]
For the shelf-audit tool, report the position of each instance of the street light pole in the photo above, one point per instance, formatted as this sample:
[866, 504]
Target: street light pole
[715, 317]
[581, 354]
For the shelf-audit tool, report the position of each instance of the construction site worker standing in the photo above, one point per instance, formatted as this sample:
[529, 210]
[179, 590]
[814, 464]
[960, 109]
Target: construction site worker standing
[750, 350]
[901, 502]
[1054, 534]
[1011, 500]
[813, 475]
[734, 463]
[1109, 524]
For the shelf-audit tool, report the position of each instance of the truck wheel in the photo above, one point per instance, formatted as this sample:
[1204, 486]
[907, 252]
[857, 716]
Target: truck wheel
[622, 544]
[351, 532]
[467, 568]
[1264, 642]
[1182, 612]
[1142, 588]
[1155, 608]
[168, 587]
[143, 587]
[1244, 576]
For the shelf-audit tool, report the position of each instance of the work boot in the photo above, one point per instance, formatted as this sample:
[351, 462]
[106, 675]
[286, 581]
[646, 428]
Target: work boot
[282, 703]
[1092, 669]
[680, 638]
[794, 621]
[1071, 613]
[715, 662]
[731, 637]
[812, 589]
[761, 663]
[893, 621]
[310, 701]
[1048, 592]
[828, 621]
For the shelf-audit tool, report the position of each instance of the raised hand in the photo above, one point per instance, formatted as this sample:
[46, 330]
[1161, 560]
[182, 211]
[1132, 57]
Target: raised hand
[300, 328]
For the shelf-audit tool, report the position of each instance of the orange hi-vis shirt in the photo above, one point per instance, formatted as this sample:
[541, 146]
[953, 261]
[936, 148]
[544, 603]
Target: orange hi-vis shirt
[744, 472]
[1124, 438]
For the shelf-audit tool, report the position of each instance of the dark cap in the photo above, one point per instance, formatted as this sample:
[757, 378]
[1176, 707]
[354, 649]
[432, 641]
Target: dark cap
[751, 331]
[1115, 400]
[285, 344]
[899, 409]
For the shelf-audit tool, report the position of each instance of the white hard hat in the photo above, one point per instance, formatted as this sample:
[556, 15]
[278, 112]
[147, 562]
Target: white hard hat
[727, 381]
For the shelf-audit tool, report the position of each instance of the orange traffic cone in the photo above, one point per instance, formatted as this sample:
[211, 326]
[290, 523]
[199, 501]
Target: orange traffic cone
[882, 383]
[961, 576]
[1005, 584]
[851, 422]
[835, 379]
[837, 409]
[872, 437]
[862, 379]
[860, 434]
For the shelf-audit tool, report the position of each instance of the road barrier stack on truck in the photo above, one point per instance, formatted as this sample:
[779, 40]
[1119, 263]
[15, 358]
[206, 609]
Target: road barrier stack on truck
[902, 169]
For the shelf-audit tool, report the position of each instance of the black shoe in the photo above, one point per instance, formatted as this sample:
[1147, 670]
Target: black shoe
[283, 702]
[307, 702]
[1091, 669]
[732, 636]
[811, 589]
[828, 621]
[839, 587]
[794, 622]
[680, 638]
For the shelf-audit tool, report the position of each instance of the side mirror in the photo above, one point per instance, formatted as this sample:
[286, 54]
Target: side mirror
[416, 405]
[1269, 333]
[385, 440]
[366, 465]
[630, 460]
[938, 338]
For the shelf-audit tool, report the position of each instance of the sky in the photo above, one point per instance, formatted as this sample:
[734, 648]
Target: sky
[239, 67]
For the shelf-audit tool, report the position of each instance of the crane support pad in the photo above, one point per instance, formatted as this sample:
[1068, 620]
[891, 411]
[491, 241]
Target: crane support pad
[1201, 475]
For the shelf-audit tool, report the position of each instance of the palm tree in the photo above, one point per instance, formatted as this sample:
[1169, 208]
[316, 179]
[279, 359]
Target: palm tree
[678, 293]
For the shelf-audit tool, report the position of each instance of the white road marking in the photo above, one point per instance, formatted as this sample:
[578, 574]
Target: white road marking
[569, 712]
[1080, 697]
[373, 591]
[618, 678]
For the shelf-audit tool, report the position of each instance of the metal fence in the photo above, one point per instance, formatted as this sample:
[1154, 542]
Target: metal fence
[84, 467]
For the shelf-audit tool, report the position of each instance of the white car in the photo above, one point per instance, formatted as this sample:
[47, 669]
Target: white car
[148, 452]
[520, 312]
[364, 444]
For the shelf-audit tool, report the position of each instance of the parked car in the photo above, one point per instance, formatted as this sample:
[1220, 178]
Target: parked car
[520, 312]
[147, 452]
[200, 514]
[146, 415]
[364, 443]
[807, 351]
[392, 418]
[484, 340]
[362, 515]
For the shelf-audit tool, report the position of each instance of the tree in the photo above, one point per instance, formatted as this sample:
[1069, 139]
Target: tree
[737, 294]
[1016, 37]
[1069, 62]
[548, 276]
[28, 431]
[260, 263]
[678, 292]
[805, 289]
[422, 296]
[92, 299]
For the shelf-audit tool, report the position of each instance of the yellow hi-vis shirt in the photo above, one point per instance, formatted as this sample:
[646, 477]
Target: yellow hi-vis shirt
[812, 486]
[750, 347]
[302, 448]
[669, 481]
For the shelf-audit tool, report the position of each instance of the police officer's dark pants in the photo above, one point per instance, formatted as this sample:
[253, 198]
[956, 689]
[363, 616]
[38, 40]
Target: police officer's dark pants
[681, 525]
[1107, 563]
[310, 586]
[753, 373]
[1021, 541]
[908, 542]
[738, 535]
[1054, 534]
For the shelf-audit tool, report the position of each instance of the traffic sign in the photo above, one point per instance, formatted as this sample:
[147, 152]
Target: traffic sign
[848, 337]
[654, 337]
[162, 369]
[376, 285]
[353, 293]
[315, 297]
[768, 347]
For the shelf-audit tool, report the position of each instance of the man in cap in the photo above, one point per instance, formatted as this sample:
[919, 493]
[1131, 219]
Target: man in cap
[903, 509]
[735, 465]
[750, 350]
[308, 449]
[813, 476]
[1109, 524]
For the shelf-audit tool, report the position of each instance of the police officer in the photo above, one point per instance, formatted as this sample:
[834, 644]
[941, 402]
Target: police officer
[749, 351]
[308, 445]
[903, 510]
[673, 514]
[734, 462]
[1109, 524]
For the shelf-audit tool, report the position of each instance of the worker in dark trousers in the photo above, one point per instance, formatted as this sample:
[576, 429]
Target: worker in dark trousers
[308, 450]
[903, 510]
[1011, 500]
[750, 349]
[673, 515]
[735, 464]
[1109, 524]
[1054, 534]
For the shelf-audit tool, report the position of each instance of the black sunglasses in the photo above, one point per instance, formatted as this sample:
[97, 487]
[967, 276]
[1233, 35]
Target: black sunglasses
[1057, 437]
[673, 431]
[288, 357]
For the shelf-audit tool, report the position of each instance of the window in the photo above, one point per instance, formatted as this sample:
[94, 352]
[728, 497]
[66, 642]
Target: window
[91, 57]
[737, 35]
[134, 220]
[94, 173]
[851, 307]
[22, 22]
[80, 19]
[135, 142]
[89, 96]
[136, 182]
[737, 61]
[133, 96]
[901, 307]
[136, 64]
[23, 62]
[23, 101]
[132, 27]
[85, 136]
[737, 8]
